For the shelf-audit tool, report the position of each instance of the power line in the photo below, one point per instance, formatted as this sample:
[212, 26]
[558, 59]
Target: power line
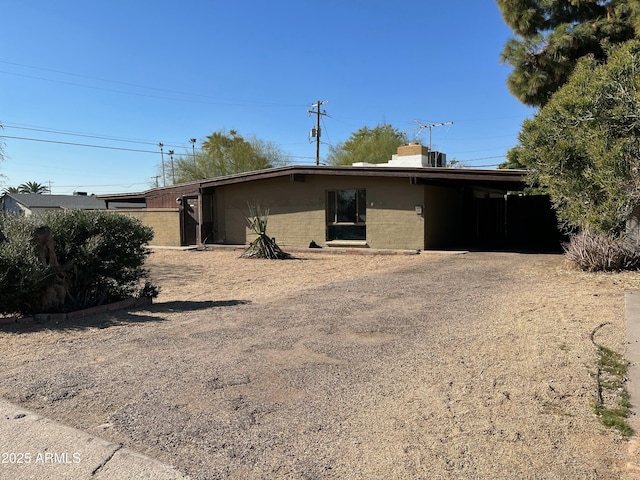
[106, 147]
[483, 158]
[481, 150]
[80, 144]
[325, 131]
[85, 135]
[220, 101]
[103, 185]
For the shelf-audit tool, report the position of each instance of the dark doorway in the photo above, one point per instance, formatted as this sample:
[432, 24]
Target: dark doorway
[190, 220]
[490, 222]
[532, 224]
[512, 222]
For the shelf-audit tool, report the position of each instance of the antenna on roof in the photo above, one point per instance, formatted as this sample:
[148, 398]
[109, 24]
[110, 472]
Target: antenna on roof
[422, 127]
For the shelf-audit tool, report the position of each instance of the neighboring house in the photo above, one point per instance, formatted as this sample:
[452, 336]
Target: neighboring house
[32, 203]
[382, 207]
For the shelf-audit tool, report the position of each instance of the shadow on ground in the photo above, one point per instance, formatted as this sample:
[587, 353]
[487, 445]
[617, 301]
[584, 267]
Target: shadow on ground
[121, 317]
[190, 306]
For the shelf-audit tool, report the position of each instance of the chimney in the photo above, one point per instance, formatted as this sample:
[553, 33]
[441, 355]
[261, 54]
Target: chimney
[412, 149]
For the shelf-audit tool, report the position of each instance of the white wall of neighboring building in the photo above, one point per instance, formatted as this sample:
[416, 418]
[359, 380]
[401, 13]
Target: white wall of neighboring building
[412, 155]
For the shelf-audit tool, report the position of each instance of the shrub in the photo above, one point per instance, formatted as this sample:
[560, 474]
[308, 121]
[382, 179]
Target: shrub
[101, 257]
[23, 278]
[263, 246]
[592, 251]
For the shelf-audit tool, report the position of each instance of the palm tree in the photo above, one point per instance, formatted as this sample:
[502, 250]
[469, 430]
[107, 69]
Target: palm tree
[33, 187]
[10, 190]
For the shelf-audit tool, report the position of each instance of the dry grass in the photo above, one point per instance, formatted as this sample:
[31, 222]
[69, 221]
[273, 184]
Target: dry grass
[424, 366]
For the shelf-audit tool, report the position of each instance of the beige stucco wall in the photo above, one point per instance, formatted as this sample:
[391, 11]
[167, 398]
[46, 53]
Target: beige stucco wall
[165, 223]
[297, 210]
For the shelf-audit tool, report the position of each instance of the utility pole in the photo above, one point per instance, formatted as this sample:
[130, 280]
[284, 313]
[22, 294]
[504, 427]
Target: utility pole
[318, 114]
[173, 172]
[164, 180]
[193, 149]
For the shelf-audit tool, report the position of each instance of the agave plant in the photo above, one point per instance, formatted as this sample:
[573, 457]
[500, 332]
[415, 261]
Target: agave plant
[263, 246]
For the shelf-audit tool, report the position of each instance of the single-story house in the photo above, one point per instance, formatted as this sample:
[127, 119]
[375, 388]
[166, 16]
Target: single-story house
[32, 203]
[382, 207]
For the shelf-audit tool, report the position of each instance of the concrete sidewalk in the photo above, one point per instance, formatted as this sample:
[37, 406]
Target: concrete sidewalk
[34, 447]
[632, 355]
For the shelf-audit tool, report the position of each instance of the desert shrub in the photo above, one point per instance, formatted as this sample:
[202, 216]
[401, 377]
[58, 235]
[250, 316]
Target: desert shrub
[23, 278]
[101, 257]
[593, 251]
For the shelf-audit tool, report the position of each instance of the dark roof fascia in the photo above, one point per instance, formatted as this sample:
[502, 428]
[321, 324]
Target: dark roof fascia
[507, 177]
[141, 196]
[499, 176]
[138, 197]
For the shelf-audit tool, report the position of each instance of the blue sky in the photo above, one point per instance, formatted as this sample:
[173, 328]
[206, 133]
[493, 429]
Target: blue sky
[99, 73]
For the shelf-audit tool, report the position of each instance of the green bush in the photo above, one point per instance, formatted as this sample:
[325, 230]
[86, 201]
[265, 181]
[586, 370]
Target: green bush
[101, 257]
[23, 279]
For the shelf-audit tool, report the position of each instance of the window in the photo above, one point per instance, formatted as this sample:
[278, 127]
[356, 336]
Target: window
[346, 215]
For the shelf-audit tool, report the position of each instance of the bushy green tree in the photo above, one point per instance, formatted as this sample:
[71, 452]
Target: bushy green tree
[100, 254]
[225, 153]
[583, 147]
[513, 159]
[552, 35]
[371, 145]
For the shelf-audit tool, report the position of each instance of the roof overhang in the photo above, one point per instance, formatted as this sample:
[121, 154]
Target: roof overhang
[503, 179]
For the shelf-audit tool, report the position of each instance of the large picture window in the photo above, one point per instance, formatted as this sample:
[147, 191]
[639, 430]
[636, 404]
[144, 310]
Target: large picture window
[347, 215]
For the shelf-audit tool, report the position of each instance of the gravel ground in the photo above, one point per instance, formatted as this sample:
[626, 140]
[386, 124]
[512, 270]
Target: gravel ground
[341, 367]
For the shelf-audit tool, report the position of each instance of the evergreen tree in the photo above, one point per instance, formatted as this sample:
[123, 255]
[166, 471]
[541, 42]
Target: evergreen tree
[582, 146]
[552, 35]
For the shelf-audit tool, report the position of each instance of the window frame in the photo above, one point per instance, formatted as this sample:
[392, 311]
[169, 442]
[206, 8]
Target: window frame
[334, 212]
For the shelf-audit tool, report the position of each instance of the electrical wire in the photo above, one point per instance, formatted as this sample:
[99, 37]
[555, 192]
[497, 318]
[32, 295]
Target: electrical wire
[87, 135]
[219, 100]
[80, 144]
[106, 147]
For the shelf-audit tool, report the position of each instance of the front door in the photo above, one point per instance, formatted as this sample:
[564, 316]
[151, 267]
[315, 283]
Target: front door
[190, 220]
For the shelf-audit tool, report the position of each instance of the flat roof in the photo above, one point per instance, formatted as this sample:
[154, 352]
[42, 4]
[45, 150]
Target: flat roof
[507, 178]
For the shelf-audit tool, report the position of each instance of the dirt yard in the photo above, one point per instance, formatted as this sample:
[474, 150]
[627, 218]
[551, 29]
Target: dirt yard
[433, 366]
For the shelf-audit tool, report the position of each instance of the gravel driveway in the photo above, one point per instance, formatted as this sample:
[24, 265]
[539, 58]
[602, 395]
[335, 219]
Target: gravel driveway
[337, 367]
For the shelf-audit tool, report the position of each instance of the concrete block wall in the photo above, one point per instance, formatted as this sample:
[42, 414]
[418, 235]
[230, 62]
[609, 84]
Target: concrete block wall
[297, 210]
[165, 223]
[392, 221]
